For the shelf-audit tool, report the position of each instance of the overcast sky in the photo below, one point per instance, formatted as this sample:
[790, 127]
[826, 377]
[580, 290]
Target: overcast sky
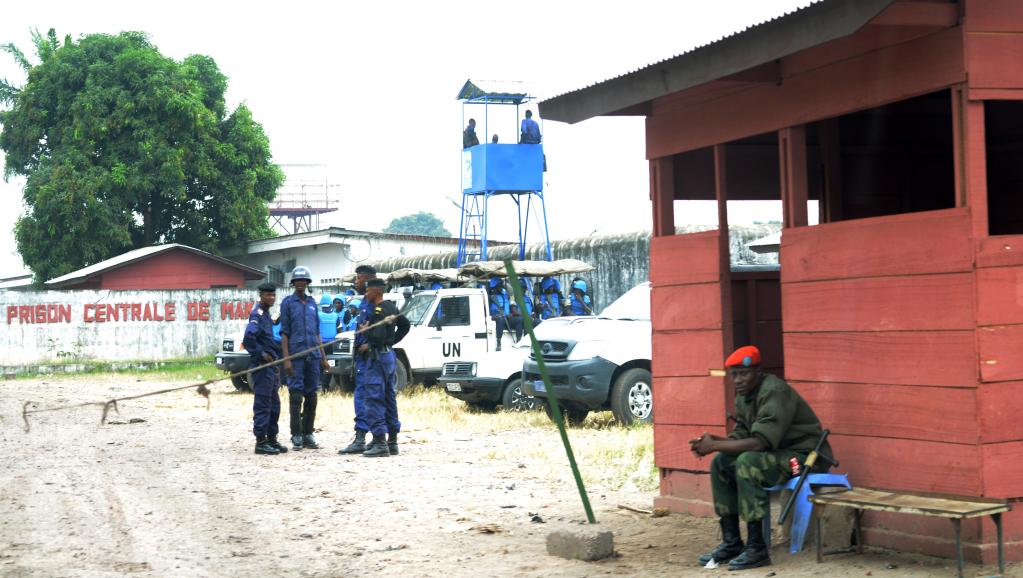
[368, 90]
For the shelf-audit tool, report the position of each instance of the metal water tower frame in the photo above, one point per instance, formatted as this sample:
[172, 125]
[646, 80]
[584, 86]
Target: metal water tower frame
[494, 170]
[302, 201]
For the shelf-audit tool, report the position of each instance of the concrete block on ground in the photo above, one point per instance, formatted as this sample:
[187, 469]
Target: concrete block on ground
[585, 542]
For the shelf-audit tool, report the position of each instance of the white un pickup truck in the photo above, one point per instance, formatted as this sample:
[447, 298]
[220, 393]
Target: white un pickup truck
[447, 324]
[598, 362]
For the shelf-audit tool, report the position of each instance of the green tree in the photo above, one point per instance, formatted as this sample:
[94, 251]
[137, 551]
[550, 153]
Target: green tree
[123, 148]
[418, 224]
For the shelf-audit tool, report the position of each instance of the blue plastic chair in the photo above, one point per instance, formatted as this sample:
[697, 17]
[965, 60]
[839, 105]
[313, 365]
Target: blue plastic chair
[802, 510]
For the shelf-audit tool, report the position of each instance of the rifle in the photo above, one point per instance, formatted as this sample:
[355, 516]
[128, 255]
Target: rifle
[808, 464]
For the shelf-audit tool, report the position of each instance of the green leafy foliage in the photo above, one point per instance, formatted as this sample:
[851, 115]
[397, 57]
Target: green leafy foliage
[418, 224]
[123, 147]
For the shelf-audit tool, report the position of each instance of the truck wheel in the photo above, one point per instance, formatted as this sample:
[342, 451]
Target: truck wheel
[240, 383]
[632, 397]
[401, 380]
[573, 415]
[514, 400]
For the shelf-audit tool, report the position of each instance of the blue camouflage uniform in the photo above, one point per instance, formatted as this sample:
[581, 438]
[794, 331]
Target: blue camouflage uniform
[365, 311]
[377, 372]
[301, 323]
[266, 403]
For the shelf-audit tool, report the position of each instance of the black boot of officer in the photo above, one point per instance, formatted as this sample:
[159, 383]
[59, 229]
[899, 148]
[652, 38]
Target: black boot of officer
[263, 447]
[272, 440]
[357, 446]
[377, 448]
[295, 405]
[392, 443]
[731, 542]
[755, 555]
[308, 419]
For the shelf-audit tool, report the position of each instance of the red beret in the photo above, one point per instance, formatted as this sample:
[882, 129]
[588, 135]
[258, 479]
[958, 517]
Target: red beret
[744, 356]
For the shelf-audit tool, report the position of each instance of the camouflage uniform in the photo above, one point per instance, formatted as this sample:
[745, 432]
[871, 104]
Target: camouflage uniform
[781, 418]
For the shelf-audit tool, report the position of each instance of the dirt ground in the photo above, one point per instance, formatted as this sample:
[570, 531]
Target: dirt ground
[181, 494]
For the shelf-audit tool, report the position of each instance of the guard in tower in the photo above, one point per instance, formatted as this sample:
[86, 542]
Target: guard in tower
[300, 330]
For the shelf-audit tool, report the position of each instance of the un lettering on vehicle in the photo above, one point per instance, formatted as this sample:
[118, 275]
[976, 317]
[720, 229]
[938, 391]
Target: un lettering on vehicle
[451, 349]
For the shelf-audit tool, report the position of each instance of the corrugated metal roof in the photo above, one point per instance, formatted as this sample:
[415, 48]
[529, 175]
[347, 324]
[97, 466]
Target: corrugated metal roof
[139, 255]
[820, 22]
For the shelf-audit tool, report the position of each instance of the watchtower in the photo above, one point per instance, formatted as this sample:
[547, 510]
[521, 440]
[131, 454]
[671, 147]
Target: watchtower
[494, 170]
[304, 196]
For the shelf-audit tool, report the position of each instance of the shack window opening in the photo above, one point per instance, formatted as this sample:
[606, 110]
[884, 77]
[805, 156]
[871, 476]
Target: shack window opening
[1003, 130]
[887, 160]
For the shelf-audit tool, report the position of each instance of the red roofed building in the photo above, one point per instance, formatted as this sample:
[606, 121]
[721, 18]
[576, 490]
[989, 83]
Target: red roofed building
[170, 266]
[899, 317]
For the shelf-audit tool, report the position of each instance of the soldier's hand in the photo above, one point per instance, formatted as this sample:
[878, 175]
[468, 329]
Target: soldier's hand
[364, 348]
[267, 357]
[289, 368]
[324, 365]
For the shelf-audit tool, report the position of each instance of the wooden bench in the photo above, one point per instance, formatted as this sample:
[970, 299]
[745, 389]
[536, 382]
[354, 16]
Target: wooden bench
[953, 508]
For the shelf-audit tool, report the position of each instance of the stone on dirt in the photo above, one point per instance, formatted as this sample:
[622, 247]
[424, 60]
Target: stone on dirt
[587, 543]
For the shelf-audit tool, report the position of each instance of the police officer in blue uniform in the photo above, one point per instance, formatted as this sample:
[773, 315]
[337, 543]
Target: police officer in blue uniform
[263, 348]
[350, 321]
[376, 367]
[578, 300]
[363, 274]
[550, 298]
[328, 331]
[500, 311]
[300, 330]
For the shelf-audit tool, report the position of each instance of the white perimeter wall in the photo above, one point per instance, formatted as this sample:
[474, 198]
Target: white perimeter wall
[86, 338]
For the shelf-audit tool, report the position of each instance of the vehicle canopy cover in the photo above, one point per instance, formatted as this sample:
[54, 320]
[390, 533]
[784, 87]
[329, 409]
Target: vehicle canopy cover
[484, 269]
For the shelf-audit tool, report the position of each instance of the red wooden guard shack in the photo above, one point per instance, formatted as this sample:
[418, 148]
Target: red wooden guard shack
[170, 266]
[902, 313]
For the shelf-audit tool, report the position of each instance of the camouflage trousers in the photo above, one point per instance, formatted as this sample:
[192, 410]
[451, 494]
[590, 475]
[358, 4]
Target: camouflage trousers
[740, 482]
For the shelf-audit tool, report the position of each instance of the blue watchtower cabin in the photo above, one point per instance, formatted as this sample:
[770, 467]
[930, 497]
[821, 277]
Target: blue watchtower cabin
[504, 169]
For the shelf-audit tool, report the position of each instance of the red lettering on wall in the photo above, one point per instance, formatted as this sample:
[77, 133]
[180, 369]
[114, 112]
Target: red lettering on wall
[64, 313]
[244, 309]
[25, 313]
[156, 312]
[12, 313]
[114, 312]
[147, 314]
[204, 311]
[169, 309]
[136, 312]
[193, 311]
[101, 313]
[226, 311]
[88, 313]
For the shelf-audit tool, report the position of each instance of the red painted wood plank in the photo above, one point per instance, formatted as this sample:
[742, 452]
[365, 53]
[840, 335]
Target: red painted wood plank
[1001, 405]
[682, 259]
[1000, 251]
[686, 307]
[945, 358]
[940, 414]
[914, 465]
[1000, 296]
[994, 60]
[690, 400]
[1003, 470]
[671, 447]
[686, 493]
[1000, 348]
[926, 242]
[687, 353]
[920, 302]
[993, 16]
[662, 195]
[870, 79]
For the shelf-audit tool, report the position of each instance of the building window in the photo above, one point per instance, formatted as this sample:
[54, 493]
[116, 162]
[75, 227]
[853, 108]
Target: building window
[1003, 130]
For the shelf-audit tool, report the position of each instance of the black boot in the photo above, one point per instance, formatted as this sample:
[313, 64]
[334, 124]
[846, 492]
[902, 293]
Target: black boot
[296, 443]
[263, 447]
[357, 446]
[755, 555]
[731, 542]
[377, 448]
[272, 440]
[308, 441]
[392, 443]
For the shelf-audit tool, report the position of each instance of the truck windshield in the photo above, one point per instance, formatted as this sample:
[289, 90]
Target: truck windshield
[634, 305]
[415, 309]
